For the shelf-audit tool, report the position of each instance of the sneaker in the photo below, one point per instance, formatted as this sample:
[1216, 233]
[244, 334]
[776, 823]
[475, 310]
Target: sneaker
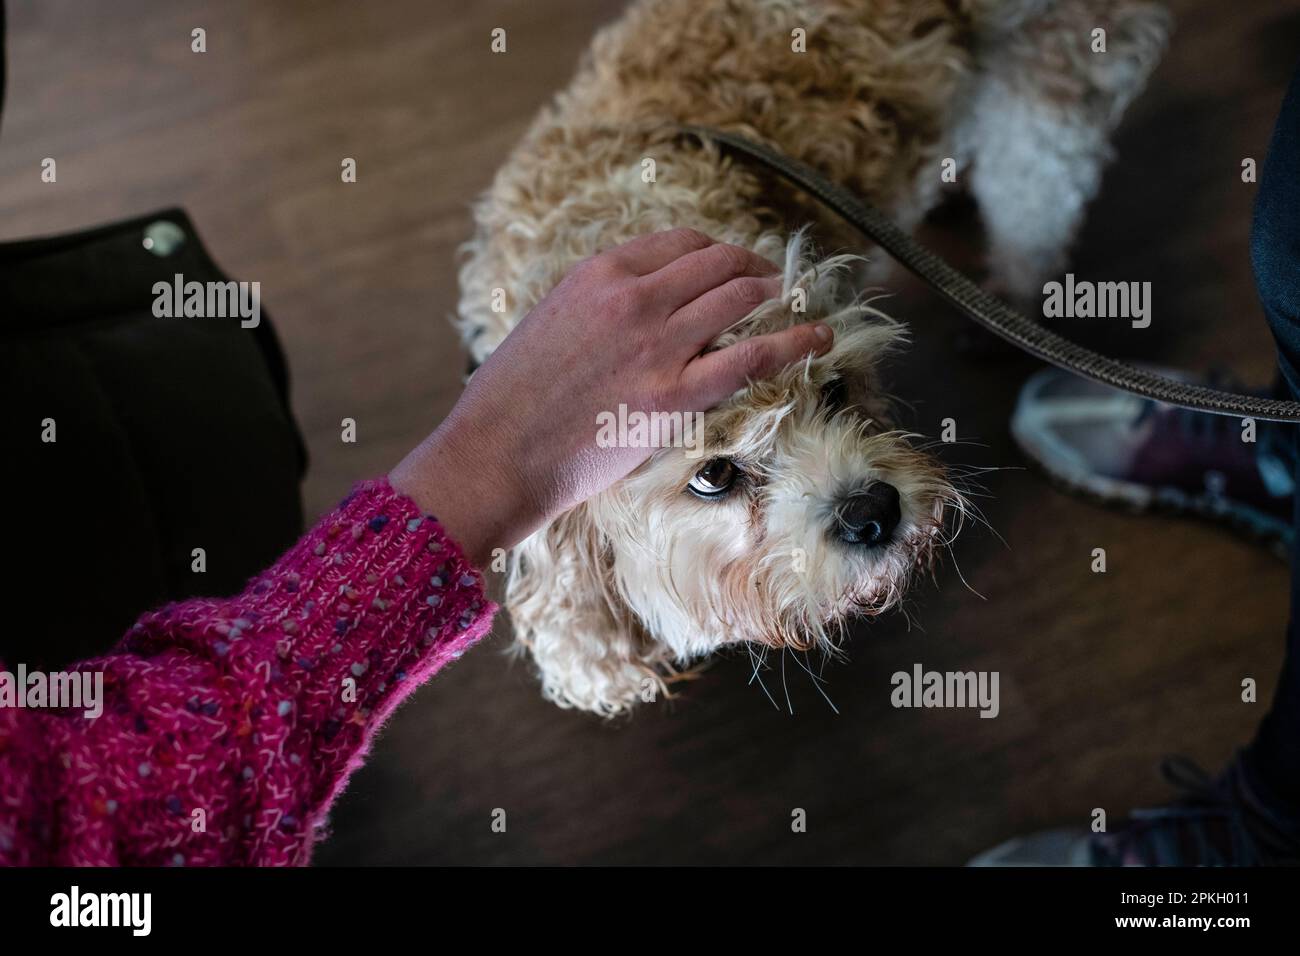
[1216, 823]
[1148, 456]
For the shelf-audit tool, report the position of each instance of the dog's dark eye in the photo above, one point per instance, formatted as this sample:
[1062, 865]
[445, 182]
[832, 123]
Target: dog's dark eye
[715, 479]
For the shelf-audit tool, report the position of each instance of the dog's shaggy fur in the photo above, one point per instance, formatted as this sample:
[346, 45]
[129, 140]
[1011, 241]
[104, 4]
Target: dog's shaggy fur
[615, 597]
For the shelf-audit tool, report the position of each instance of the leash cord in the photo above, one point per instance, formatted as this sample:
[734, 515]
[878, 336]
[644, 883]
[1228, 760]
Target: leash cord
[989, 311]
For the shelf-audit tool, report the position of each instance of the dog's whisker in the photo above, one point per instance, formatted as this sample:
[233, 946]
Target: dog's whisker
[759, 661]
[972, 511]
[784, 685]
[817, 683]
[962, 577]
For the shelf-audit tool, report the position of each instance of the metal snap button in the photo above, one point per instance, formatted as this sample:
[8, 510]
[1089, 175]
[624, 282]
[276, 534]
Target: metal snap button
[162, 238]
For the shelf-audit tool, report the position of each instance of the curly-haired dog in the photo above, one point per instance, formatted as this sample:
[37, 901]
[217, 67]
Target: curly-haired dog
[808, 507]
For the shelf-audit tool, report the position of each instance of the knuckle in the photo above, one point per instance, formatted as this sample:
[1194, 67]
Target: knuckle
[603, 267]
[756, 355]
[692, 240]
[627, 299]
[748, 292]
[662, 395]
[733, 259]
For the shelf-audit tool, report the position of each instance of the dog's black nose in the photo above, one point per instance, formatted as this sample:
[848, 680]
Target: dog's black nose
[869, 517]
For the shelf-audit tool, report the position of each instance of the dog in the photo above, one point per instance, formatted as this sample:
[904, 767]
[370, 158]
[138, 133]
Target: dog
[809, 507]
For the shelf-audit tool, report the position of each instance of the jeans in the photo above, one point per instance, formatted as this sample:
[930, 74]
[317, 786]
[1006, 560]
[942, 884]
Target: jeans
[1273, 758]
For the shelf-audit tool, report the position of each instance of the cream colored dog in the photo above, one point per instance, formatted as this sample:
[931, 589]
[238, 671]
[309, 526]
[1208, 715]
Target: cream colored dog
[807, 507]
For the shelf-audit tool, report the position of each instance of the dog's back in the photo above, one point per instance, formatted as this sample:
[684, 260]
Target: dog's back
[875, 93]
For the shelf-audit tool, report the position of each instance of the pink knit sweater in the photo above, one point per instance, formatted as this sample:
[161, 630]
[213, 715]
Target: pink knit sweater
[229, 726]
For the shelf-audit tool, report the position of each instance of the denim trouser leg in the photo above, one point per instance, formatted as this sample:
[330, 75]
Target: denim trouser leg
[1274, 757]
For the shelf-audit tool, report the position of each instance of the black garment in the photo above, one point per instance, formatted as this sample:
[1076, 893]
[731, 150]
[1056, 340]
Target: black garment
[1274, 757]
[171, 434]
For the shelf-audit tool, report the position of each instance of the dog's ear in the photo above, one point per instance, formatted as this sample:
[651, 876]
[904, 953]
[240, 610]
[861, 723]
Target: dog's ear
[591, 651]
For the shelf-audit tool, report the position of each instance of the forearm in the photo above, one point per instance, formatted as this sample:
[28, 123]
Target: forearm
[229, 726]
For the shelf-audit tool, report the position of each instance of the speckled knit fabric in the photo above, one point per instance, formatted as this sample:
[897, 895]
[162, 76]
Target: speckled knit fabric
[253, 710]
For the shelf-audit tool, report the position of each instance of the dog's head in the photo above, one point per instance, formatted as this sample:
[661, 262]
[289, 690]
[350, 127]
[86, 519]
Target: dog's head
[798, 509]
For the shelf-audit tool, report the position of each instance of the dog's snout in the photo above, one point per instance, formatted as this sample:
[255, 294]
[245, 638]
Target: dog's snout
[869, 517]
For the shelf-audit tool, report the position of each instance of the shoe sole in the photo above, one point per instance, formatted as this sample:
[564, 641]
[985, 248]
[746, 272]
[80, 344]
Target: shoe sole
[1246, 522]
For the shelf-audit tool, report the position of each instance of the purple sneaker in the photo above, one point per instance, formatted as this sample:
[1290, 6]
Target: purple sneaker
[1219, 822]
[1146, 455]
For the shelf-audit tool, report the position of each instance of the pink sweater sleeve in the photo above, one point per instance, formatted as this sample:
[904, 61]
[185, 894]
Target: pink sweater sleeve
[229, 726]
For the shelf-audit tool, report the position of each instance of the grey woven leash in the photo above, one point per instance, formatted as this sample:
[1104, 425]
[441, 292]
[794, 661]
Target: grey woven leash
[992, 313]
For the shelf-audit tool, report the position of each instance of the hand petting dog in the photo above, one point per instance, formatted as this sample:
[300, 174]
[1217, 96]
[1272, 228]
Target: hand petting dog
[629, 327]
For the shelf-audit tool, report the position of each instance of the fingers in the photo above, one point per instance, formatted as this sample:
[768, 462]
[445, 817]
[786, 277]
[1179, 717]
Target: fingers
[701, 321]
[714, 377]
[647, 254]
[692, 275]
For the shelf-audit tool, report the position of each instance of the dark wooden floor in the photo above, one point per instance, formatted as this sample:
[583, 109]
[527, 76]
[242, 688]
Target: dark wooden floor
[1100, 674]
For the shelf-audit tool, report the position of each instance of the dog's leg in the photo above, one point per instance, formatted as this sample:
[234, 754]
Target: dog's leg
[590, 652]
[1036, 122]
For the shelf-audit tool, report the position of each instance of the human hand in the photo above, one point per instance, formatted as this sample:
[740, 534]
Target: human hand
[626, 327]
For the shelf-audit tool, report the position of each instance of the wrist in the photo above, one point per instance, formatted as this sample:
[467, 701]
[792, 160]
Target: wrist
[479, 500]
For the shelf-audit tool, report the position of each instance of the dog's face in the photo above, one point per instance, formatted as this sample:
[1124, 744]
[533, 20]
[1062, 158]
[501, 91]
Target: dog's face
[801, 510]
